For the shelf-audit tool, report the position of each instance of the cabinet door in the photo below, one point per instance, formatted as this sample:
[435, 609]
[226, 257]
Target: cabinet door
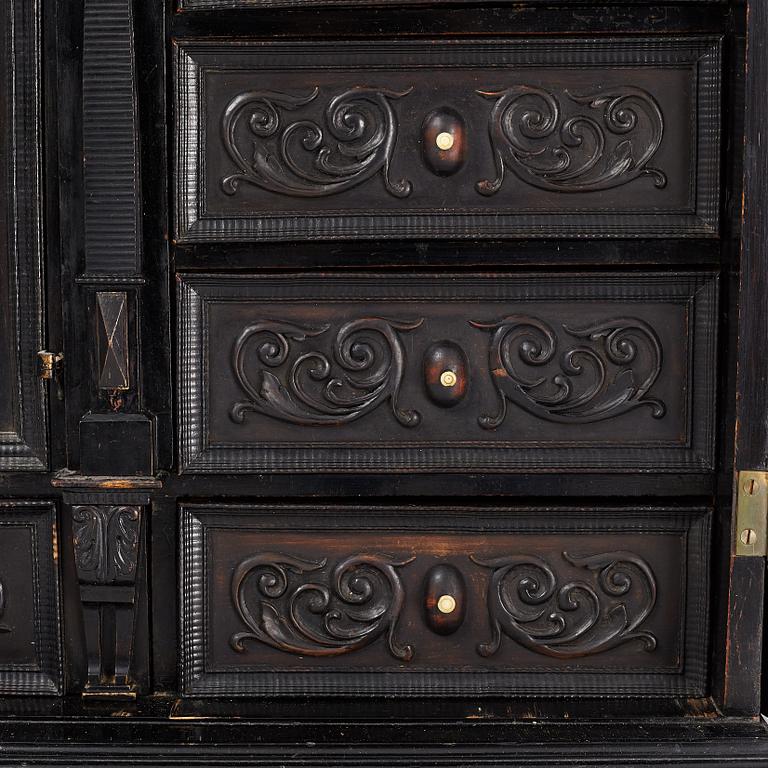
[23, 443]
[30, 654]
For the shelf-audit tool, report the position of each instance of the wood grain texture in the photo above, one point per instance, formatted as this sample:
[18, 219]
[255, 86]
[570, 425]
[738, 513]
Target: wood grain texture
[279, 158]
[744, 642]
[611, 372]
[282, 600]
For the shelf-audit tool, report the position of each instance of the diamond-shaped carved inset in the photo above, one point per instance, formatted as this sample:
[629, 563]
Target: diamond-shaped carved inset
[113, 346]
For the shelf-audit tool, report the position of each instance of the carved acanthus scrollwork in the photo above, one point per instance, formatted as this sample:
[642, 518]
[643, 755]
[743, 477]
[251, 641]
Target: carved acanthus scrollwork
[531, 605]
[607, 374]
[339, 611]
[106, 540]
[299, 159]
[368, 351]
[598, 142]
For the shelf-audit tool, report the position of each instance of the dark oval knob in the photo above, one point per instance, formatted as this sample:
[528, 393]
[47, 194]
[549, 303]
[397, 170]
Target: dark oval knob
[445, 599]
[446, 373]
[444, 141]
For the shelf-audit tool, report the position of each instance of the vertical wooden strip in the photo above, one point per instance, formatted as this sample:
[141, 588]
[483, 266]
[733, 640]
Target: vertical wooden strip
[110, 140]
[23, 400]
[752, 409]
[743, 647]
[743, 651]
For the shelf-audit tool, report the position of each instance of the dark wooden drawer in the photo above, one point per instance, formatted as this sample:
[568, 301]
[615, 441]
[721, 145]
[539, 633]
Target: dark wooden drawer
[30, 657]
[548, 372]
[450, 138]
[286, 600]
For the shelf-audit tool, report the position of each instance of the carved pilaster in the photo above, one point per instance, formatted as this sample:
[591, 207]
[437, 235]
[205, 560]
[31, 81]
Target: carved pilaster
[113, 245]
[106, 540]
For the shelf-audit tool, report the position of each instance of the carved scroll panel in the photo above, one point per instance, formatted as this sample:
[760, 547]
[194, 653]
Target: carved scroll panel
[296, 158]
[325, 612]
[287, 141]
[570, 619]
[552, 142]
[368, 353]
[604, 370]
[287, 591]
[106, 542]
[454, 373]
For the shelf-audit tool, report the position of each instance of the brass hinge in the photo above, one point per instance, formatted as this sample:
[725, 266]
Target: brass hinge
[51, 364]
[751, 514]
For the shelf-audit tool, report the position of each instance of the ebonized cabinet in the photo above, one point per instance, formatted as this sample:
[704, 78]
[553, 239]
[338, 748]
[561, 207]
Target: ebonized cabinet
[381, 383]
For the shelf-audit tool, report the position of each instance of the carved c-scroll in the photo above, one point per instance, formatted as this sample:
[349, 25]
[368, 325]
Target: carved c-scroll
[595, 142]
[329, 614]
[368, 352]
[563, 618]
[299, 159]
[608, 371]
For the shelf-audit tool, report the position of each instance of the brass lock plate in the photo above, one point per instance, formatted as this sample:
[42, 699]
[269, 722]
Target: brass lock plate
[751, 514]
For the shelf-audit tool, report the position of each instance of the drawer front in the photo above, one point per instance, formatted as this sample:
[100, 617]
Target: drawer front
[30, 656]
[504, 138]
[447, 373]
[286, 600]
